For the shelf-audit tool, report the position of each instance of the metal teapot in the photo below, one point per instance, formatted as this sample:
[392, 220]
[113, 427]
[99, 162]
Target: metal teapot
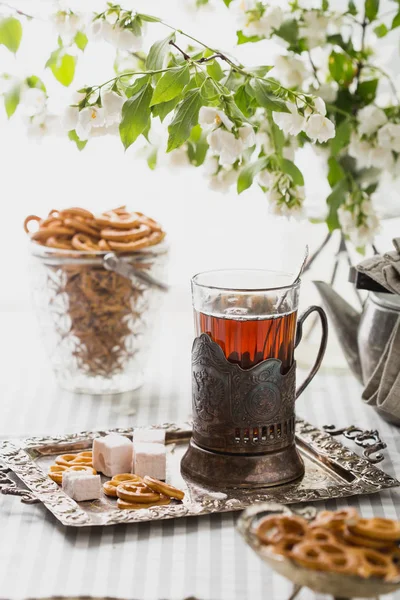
[363, 336]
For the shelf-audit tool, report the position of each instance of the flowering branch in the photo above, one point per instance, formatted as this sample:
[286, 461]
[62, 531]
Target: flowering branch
[242, 124]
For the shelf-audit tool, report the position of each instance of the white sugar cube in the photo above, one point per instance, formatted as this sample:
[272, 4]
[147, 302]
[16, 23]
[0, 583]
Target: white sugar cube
[150, 459]
[81, 485]
[112, 454]
[149, 435]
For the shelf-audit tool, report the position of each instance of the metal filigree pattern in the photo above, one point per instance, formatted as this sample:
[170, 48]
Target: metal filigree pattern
[235, 408]
[340, 473]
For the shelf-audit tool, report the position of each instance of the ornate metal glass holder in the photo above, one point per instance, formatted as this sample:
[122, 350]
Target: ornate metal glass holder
[244, 418]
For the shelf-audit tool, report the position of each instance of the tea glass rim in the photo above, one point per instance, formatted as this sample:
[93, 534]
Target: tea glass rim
[295, 285]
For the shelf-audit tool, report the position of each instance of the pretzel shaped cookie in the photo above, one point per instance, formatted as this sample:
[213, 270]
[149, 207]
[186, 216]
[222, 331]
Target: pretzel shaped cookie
[336, 520]
[163, 488]
[375, 564]
[82, 458]
[377, 529]
[55, 472]
[326, 557]
[274, 527]
[110, 487]
[136, 493]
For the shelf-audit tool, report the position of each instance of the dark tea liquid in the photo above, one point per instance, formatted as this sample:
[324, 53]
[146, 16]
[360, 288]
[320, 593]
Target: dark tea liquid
[246, 342]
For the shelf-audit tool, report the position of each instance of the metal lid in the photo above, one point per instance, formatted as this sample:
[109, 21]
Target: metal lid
[390, 301]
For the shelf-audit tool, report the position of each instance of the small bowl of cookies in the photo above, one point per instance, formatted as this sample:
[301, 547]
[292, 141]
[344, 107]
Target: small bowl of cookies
[331, 552]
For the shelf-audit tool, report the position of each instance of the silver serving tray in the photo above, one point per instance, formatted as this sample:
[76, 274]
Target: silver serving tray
[331, 471]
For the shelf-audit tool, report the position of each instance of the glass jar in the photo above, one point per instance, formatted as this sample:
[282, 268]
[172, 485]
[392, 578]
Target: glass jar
[96, 323]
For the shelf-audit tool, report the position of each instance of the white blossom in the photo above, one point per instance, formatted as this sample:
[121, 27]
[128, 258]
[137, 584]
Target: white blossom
[358, 220]
[67, 24]
[247, 135]
[360, 150]
[370, 118]
[33, 101]
[89, 117]
[95, 31]
[210, 165]
[124, 39]
[264, 142]
[210, 116]
[319, 128]
[380, 158]
[219, 179]
[120, 37]
[290, 71]
[225, 144]
[264, 26]
[314, 28]
[178, 157]
[112, 104]
[389, 136]
[328, 92]
[290, 123]
[319, 106]
[42, 125]
[266, 178]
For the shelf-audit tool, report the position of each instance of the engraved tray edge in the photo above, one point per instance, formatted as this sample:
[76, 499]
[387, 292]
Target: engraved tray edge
[369, 479]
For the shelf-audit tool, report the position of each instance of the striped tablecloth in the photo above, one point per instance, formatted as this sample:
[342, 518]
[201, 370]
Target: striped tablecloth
[202, 557]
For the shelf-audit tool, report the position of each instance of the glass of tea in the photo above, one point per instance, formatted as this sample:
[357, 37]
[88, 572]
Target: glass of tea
[244, 378]
[251, 315]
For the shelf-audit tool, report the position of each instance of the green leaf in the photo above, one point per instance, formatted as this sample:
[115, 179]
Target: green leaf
[74, 137]
[135, 115]
[62, 66]
[262, 92]
[152, 158]
[324, 5]
[185, 118]
[227, 2]
[247, 174]
[35, 82]
[11, 100]
[335, 172]
[214, 70]
[342, 137]
[396, 21]
[243, 39]
[290, 168]
[260, 70]
[163, 109]
[381, 30]
[341, 68]
[278, 137]
[209, 90]
[10, 33]
[81, 40]
[136, 86]
[244, 101]
[157, 53]
[371, 9]
[366, 90]
[149, 18]
[288, 31]
[351, 8]
[171, 84]
[335, 199]
[197, 146]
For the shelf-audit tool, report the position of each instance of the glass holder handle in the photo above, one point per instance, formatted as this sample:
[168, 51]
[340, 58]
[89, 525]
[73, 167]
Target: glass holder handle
[113, 263]
[322, 346]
